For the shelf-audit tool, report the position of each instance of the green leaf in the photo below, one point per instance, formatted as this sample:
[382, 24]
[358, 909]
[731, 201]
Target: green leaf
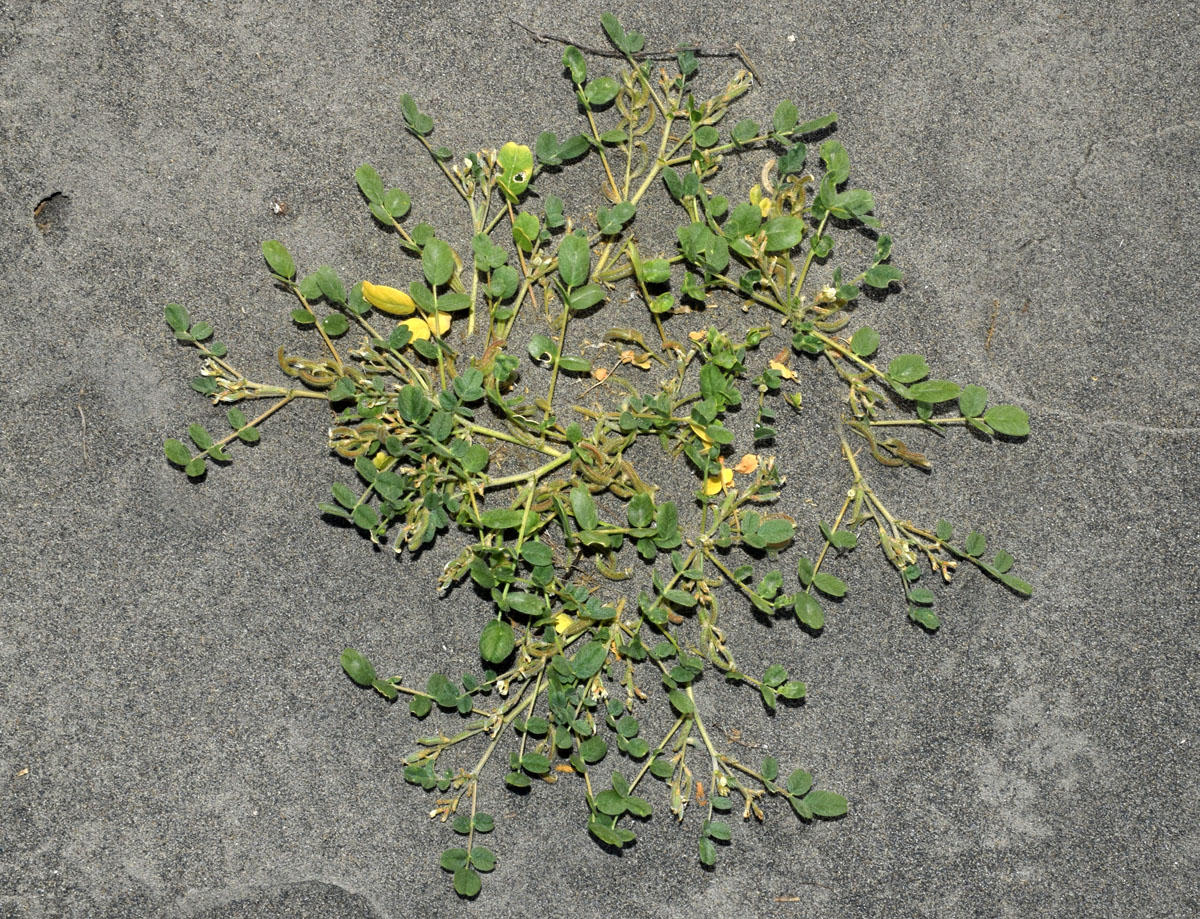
[680, 702]
[640, 510]
[1008, 419]
[708, 852]
[385, 689]
[177, 453]
[774, 676]
[1014, 583]
[589, 659]
[744, 131]
[583, 507]
[496, 641]
[908, 368]
[437, 262]
[718, 829]
[826, 803]
[785, 117]
[924, 616]
[335, 324]
[177, 317]
[413, 405]
[574, 261]
[1002, 562]
[673, 182]
[976, 544]
[501, 518]
[574, 62]
[851, 204]
[775, 531]
[706, 136]
[467, 882]
[330, 285]
[921, 595]
[357, 667]
[200, 436]
[365, 516]
[369, 183]
[828, 584]
[943, 531]
[865, 341]
[934, 391]
[799, 782]
[586, 297]
[525, 231]
[605, 833]
[793, 689]
[278, 258]
[601, 91]
[804, 570]
[396, 202]
[972, 400]
[537, 553]
[656, 271]
[809, 611]
[837, 161]
[527, 604]
[680, 598]
[881, 276]
[535, 763]
[817, 124]
[783, 233]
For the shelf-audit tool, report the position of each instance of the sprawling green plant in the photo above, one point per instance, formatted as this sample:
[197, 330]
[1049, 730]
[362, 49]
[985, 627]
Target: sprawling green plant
[589, 679]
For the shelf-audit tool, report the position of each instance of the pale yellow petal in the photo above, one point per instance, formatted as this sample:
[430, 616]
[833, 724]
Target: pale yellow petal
[562, 622]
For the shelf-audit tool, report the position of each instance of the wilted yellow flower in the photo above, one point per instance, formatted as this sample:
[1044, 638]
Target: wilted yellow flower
[747, 464]
[388, 299]
[716, 483]
[784, 370]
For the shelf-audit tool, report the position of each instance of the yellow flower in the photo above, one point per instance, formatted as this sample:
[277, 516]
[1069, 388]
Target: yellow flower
[388, 300]
[756, 198]
[562, 622]
[716, 483]
[422, 328]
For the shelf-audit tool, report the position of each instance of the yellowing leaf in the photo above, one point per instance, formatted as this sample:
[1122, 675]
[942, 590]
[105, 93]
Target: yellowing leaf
[388, 299]
[516, 164]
